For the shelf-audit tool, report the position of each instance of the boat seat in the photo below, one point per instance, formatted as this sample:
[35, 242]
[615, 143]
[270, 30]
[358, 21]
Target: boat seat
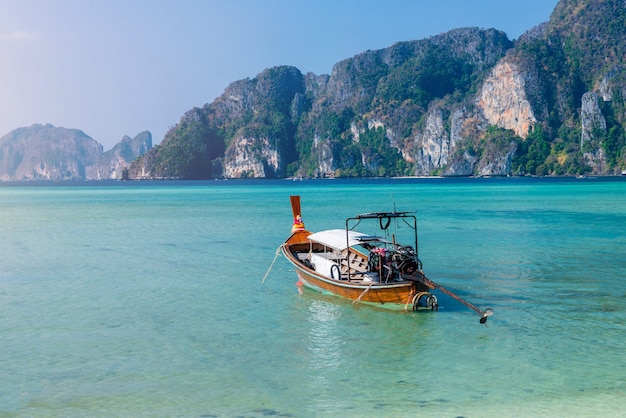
[328, 256]
[371, 276]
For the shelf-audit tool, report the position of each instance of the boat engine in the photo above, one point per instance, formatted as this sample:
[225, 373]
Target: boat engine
[406, 261]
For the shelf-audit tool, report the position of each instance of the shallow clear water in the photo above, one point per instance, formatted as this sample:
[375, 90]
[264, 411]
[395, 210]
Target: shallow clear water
[145, 299]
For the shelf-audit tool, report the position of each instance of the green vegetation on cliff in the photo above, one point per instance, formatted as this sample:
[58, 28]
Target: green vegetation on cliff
[413, 108]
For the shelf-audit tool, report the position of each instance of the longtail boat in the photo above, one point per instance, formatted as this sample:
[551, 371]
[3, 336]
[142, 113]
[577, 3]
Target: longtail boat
[366, 268]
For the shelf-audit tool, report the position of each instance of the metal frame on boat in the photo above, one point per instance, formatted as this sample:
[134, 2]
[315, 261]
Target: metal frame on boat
[372, 269]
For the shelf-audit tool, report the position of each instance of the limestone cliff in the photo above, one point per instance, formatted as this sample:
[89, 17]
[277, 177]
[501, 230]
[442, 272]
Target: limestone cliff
[432, 144]
[465, 102]
[593, 130]
[113, 163]
[503, 101]
[46, 152]
[251, 158]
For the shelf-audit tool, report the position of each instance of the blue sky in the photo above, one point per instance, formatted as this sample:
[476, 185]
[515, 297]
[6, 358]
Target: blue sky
[118, 67]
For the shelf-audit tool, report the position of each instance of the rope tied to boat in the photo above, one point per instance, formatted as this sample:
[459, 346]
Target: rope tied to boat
[271, 265]
[357, 300]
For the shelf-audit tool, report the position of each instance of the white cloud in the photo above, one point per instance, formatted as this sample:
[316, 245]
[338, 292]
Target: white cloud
[19, 35]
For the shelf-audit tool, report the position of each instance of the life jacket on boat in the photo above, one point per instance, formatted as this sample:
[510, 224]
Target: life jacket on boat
[298, 224]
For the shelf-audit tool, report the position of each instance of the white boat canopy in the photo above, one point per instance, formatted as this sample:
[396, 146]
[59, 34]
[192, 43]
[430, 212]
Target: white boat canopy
[336, 238]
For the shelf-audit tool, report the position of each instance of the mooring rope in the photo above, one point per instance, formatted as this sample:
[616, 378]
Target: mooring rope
[410, 298]
[271, 265]
[357, 300]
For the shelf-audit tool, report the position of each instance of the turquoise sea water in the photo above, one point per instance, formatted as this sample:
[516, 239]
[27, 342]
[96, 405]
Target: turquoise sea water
[145, 299]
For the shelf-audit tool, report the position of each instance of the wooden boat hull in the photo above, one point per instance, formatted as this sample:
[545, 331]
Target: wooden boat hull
[378, 294]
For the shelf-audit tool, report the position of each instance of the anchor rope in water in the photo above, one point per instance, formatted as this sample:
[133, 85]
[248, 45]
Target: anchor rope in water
[271, 265]
[409, 299]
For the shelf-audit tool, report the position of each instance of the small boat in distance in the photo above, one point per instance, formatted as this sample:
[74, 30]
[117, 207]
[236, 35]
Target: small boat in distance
[366, 268]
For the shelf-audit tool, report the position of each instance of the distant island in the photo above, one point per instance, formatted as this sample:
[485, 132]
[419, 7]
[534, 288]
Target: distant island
[45, 152]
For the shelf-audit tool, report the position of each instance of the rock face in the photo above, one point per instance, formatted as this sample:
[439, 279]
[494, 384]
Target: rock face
[271, 101]
[432, 144]
[593, 130]
[251, 157]
[45, 152]
[593, 122]
[113, 163]
[503, 102]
